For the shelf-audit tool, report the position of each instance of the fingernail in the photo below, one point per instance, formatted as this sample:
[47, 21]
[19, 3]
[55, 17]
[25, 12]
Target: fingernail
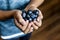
[38, 20]
[27, 21]
[32, 28]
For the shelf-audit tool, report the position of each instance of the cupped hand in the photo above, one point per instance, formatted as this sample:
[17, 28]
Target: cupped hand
[37, 23]
[25, 26]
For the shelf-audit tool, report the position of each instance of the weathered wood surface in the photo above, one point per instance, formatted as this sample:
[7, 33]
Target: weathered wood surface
[50, 30]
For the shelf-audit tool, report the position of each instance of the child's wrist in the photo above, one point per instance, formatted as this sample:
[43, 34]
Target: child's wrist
[28, 7]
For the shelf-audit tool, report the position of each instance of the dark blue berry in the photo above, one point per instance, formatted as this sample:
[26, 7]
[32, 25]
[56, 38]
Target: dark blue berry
[28, 16]
[29, 12]
[30, 19]
[36, 12]
[36, 16]
[33, 16]
[23, 14]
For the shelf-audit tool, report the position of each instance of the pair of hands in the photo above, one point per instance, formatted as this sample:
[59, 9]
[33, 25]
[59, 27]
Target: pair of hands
[27, 26]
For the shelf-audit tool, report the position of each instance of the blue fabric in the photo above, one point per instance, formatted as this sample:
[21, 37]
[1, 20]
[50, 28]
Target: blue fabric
[8, 27]
[27, 37]
[13, 4]
[12, 39]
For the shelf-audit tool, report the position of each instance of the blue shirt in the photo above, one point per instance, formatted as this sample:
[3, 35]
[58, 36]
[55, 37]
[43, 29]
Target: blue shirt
[8, 26]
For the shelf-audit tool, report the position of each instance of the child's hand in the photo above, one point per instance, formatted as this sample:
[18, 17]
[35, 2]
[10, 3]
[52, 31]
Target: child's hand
[37, 23]
[21, 23]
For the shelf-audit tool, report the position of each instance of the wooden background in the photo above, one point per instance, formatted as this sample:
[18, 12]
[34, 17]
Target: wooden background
[50, 30]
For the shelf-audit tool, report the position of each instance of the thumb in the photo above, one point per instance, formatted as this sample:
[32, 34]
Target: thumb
[27, 21]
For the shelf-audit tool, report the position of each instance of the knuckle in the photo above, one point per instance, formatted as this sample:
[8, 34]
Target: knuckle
[23, 29]
[39, 24]
[25, 32]
[36, 28]
[28, 27]
[42, 17]
[18, 11]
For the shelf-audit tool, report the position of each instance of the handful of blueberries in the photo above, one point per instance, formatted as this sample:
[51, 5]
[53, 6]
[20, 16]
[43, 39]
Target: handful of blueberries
[30, 15]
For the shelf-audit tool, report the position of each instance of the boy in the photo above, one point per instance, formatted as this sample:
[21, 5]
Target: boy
[10, 12]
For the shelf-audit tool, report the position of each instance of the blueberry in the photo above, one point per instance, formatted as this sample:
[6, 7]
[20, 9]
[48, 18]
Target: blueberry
[36, 16]
[28, 16]
[35, 19]
[33, 16]
[36, 12]
[23, 14]
[29, 12]
[30, 19]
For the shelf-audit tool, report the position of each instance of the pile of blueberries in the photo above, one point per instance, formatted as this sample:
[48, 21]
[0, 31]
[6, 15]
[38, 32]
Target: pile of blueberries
[30, 15]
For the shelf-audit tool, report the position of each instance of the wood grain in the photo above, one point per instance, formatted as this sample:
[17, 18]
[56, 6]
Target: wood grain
[50, 30]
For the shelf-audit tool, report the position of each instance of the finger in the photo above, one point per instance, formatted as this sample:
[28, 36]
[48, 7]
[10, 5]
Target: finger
[31, 30]
[38, 19]
[40, 14]
[28, 28]
[25, 26]
[17, 24]
[20, 18]
[20, 26]
[34, 26]
[23, 22]
[38, 23]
